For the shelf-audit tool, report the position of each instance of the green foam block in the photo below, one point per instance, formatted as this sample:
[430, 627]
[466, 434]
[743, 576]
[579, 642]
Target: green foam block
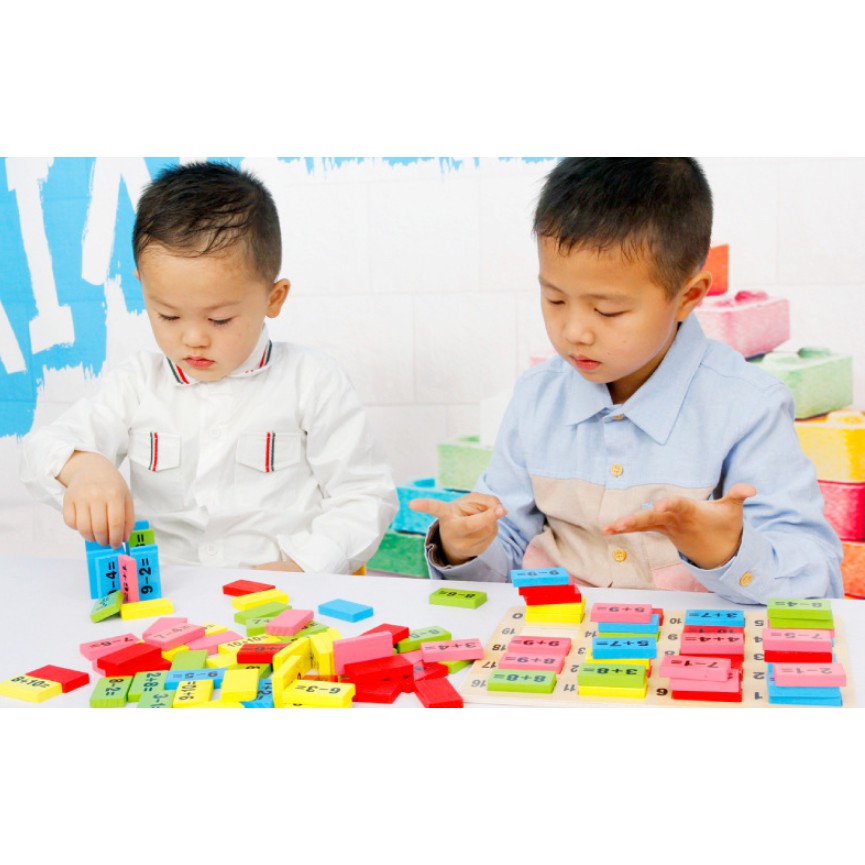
[458, 598]
[598, 674]
[534, 682]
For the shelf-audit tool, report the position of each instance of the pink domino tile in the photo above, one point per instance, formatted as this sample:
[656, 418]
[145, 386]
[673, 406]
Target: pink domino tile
[531, 661]
[796, 640]
[714, 645]
[211, 644]
[98, 648]
[415, 657]
[452, 650]
[129, 578]
[288, 623]
[633, 614]
[176, 635]
[810, 675]
[693, 668]
[730, 685]
[548, 645]
[364, 648]
[162, 624]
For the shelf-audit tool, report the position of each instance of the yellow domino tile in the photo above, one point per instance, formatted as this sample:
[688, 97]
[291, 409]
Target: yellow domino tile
[211, 628]
[192, 693]
[835, 443]
[169, 654]
[233, 647]
[322, 654]
[240, 685]
[598, 691]
[638, 662]
[222, 660]
[556, 612]
[321, 695]
[333, 633]
[140, 609]
[301, 649]
[282, 677]
[30, 688]
[255, 599]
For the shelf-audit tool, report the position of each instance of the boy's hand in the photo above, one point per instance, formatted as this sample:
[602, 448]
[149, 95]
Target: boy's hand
[287, 565]
[97, 503]
[708, 533]
[467, 525]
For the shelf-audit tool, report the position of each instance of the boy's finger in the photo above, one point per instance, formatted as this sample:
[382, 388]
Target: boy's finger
[434, 507]
[481, 522]
[740, 492]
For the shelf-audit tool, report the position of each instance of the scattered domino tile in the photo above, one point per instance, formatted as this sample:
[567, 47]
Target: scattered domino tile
[348, 611]
[110, 692]
[131, 660]
[394, 668]
[146, 682]
[106, 607]
[156, 700]
[129, 578]
[263, 698]
[189, 660]
[458, 598]
[541, 682]
[376, 692]
[174, 636]
[240, 685]
[438, 694]
[163, 624]
[174, 678]
[254, 599]
[269, 610]
[452, 650]
[30, 688]
[283, 676]
[192, 693]
[542, 577]
[69, 680]
[322, 695]
[397, 632]
[422, 635]
[211, 643]
[288, 622]
[246, 587]
[258, 653]
[619, 613]
[365, 648]
[155, 607]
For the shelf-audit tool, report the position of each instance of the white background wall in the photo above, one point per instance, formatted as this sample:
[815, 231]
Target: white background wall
[421, 280]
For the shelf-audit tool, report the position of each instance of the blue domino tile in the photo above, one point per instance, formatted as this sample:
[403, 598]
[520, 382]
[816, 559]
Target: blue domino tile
[175, 677]
[264, 698]
[800, 696]
[149, 577]
[716, 618]
[607, 648]
[348, 611]
[651, 627]
[542, 577]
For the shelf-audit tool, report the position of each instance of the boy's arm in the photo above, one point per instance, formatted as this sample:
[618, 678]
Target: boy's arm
[787, 549]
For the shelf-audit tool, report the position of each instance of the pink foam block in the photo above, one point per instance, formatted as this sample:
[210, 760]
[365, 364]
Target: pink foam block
[730, 685]
[531, 661]
[796, 640]
[715, 645]
[750, 322]
[452, 650]
[98, 648]
[289, 622]
[700, 669]
[163, 624]
[176, 635]
[845, 508]
[810, 675]
[636, 614]
[350, 650]
[129, 578]
[212, 643]
[548, 645]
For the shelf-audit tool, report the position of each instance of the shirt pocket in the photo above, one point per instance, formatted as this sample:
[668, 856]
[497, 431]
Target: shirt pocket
[270, 466]
[155, 470]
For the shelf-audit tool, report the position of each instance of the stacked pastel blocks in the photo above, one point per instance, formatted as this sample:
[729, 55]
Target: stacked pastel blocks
[531, 664]
[127, 581]
[708, 666]
[798, 648]
[620, 660]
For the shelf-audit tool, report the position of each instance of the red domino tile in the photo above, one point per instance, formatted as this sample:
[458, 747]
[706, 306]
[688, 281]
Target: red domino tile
[392, 669]
[430, 671]
[69, 679]
[139, 658]
[438, 694]
[707, 696]
[798, 657]
[533, 595]
[258, 653]
[245, 587]
[376, 692]
[660, 614]
[400, 632]
[711, 629]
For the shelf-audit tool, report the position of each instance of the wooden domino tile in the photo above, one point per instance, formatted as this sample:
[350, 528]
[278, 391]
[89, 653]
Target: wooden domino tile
[565, 692]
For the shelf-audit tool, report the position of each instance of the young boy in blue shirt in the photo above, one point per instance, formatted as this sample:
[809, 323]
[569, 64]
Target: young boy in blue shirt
[643, 455]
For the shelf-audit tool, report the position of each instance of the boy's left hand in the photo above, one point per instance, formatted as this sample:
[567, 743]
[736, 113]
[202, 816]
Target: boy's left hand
[708, 533]
[287, 565]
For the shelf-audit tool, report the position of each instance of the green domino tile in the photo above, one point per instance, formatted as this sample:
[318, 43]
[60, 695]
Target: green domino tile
[263, 611]
[620, 634]
[106, 607]
[458, 598]
[312, 628]
[190, 660]
[146, 683]
[264, 670]
[794, 608]
[462, 462]
[594, 674]
[256, 627]
[533, 682]
[422, 635]
[400, 553]
[110, 693]
[454, 666]
[800, 624]
[156, 700]
[142, 538]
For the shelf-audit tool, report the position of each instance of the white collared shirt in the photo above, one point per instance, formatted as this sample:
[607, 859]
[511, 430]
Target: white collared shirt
[274, 461]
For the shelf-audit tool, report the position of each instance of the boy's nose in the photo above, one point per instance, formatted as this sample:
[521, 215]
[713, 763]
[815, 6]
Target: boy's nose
[577, 332]
[195, 337]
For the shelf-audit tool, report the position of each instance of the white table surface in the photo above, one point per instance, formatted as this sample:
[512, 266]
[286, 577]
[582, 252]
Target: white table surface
[45, 613]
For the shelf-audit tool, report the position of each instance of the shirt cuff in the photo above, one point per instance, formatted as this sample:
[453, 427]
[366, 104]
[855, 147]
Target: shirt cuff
[489, 567]
[314, 553]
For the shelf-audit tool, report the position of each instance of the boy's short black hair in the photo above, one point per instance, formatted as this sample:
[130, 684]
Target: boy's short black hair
[660, 205]
[206, 207]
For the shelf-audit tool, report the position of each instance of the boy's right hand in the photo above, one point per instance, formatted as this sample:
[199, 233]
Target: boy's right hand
[97, 503]
[467, 525]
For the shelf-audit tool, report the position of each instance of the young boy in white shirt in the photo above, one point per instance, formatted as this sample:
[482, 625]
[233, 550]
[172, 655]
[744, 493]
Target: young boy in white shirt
[242, 452]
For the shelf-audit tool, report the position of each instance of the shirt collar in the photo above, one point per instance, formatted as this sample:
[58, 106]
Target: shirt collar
[258, 360]
[656, 405]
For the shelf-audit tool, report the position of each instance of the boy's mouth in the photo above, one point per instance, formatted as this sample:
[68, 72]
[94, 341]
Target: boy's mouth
[585, 364]
[199, 362]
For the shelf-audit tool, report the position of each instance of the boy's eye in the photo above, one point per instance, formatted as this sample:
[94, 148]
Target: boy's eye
[219, 321]
[609, 314]
[168, 317]
[552, 302]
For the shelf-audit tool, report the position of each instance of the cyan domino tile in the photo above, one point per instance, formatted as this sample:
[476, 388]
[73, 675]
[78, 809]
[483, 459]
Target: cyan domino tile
[819, 380]
[845, 508]
[407, 520]
[750, 322]
[462, 462]
[835, 443]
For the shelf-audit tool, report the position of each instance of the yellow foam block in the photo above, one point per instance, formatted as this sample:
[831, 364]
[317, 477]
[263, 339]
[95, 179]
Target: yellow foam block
[556, 612]
[30, 688]
[322, 695]
[211, 628]
[141, 609]
[193, 693]
[598, 691]
[322, 654]
[835, 443]
[255, 599]
[282, 677]
[240, 685]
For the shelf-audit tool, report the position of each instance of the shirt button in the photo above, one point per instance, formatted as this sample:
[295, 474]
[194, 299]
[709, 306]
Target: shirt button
[618, 417]
[619, 554]
[746, 579]
[616, 470]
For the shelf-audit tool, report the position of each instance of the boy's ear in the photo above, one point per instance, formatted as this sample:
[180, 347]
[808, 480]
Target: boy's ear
[693, 294]
[277, 297]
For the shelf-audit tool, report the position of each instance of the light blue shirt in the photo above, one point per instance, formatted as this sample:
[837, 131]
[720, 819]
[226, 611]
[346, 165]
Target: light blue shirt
[567, 462]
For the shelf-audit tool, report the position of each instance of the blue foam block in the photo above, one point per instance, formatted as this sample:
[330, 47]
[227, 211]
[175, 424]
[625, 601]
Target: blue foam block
[348, 611]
